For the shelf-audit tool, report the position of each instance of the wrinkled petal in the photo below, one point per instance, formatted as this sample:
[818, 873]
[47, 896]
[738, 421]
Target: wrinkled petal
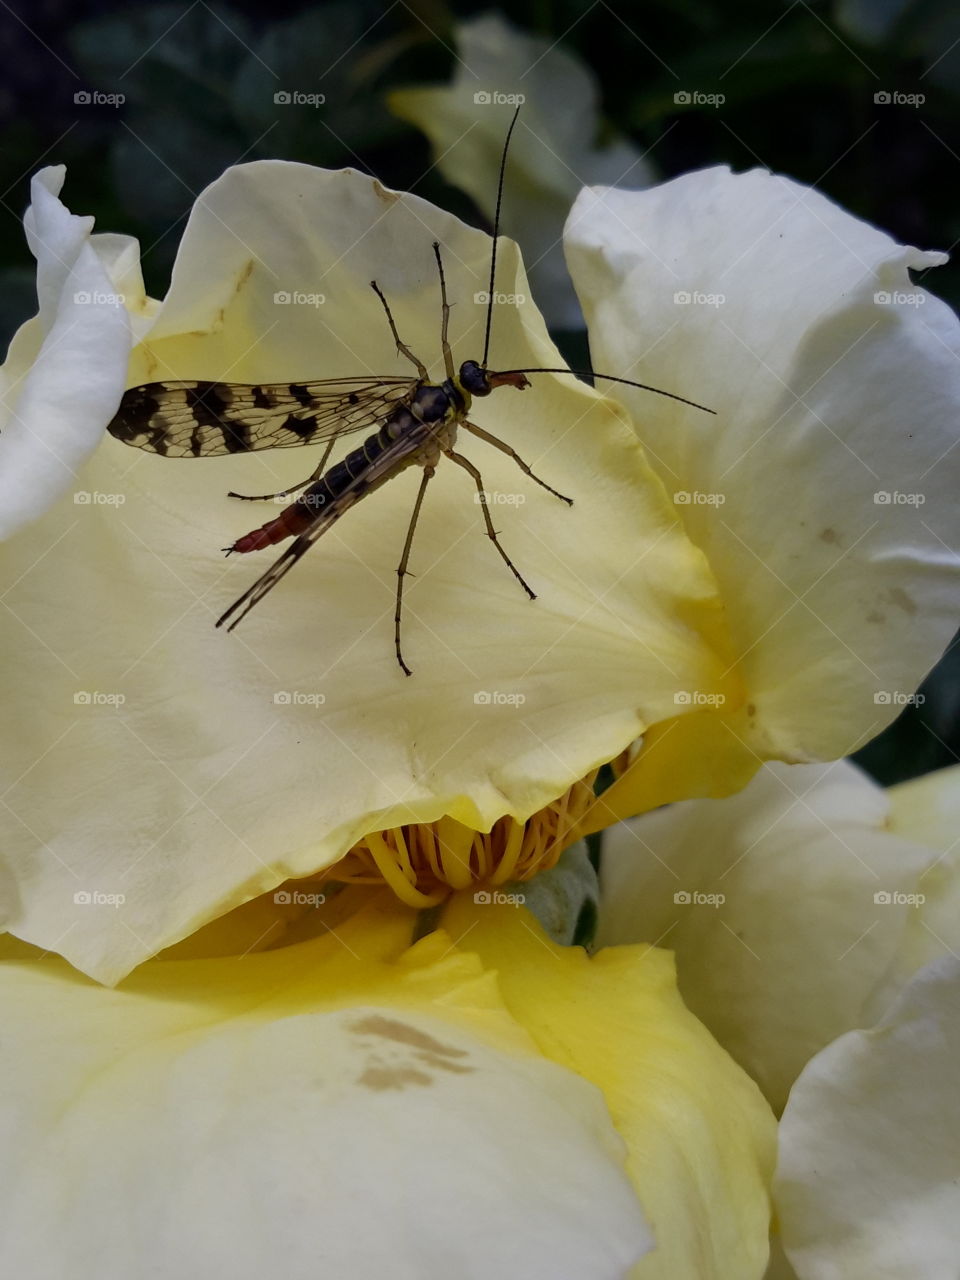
[867, 1176]
[170, 771]
[553, 151]
[65, 370]
[794, 912]
[243, 1114]
[822, 491]
[700, 1137]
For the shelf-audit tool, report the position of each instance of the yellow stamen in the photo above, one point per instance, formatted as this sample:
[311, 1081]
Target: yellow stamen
[422, 863]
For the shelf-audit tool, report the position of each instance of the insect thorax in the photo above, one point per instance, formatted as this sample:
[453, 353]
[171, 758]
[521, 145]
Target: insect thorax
[441, 402]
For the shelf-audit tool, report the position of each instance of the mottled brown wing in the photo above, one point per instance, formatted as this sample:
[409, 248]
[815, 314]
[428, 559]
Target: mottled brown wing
[209, 419]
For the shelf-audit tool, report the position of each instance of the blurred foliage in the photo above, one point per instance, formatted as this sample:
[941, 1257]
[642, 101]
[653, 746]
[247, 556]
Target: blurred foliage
[199, 79]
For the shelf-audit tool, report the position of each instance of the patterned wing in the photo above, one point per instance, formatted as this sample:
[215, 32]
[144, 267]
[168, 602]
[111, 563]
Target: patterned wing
[207, 419]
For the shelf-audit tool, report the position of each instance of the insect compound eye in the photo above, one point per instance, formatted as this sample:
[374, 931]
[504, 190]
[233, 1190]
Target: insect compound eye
[474, 379]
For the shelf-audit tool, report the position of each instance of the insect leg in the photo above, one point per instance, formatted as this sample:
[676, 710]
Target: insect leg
[428, 474]
[401, 346]
[445, 323]
[467, 465]
[512, 453]
[314, 475]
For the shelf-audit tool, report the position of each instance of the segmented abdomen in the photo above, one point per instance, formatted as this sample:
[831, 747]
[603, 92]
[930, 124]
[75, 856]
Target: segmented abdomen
[324, 492]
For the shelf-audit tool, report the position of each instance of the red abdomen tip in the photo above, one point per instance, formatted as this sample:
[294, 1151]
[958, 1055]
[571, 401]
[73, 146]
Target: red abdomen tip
[256, 540]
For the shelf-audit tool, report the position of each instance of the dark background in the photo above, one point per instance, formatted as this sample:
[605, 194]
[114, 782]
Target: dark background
[799, 81]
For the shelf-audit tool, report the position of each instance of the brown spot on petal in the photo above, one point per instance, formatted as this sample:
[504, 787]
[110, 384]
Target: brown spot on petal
[382, 1078]
[876, 616]
[433, 1060]
[244, 275]
[392, 1029]
[897, 596]
[385, 194]
[829, 535]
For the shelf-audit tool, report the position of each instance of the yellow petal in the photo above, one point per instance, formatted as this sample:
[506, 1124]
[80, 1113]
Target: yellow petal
[821, 491]
[167, 771]
[797, 909]
[465, 1097]
[700, 1136]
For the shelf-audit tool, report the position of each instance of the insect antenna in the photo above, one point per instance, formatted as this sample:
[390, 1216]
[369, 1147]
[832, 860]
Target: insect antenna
[609, 377]
[496, 233]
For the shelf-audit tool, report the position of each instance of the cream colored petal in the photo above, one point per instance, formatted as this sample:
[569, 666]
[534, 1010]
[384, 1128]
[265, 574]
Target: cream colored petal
[166, 771]
[867, 1176]
[795, 914]
[822, 490]
[700, 1137]
[348, 1105]
[927, 810]
[65, 370]
[553, 151]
